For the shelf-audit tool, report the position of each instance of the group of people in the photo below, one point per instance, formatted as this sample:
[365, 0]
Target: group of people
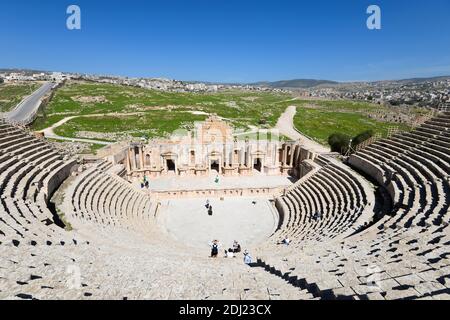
[317, 216]
[285, 241]
[230, 252]
[145, 183]
[209, 207]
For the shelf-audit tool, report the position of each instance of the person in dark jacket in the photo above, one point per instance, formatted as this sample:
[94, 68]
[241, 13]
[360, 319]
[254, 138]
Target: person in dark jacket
[214, 248]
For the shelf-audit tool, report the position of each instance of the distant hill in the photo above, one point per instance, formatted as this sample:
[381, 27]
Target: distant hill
[311, 83]
[296, 83]
[282, 84]
[16, 70]
[421, 80]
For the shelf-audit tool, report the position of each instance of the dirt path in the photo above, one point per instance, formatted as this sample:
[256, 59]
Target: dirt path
[50, 133]
[285, 125]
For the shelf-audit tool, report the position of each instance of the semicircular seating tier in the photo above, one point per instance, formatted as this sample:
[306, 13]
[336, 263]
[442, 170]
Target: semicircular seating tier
[114, 249]
[330, 202]
[403, 255]
[374, 227]
[30, 171]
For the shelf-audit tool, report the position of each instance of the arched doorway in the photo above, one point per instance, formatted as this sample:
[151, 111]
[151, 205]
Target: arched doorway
[257, 165]
[215, 166]
[170, 165]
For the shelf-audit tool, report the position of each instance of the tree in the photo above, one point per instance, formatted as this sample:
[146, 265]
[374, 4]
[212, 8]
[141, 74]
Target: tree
[262, 121]
[1, 80]
[339, 142]
[363, 136]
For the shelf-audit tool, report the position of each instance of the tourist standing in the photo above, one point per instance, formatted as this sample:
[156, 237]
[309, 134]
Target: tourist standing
[247, 257]
[236, 247]
[214, 248]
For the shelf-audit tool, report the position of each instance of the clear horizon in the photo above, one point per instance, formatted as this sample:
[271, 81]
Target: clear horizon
[218, 82]
[230, 42]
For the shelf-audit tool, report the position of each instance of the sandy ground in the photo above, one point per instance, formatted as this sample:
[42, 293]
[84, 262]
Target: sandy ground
[188, 222]
[171, 183]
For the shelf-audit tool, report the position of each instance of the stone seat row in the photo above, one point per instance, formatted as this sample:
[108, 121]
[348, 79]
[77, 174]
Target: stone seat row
[326, 205]
[29, 172]
[405, 254]
[416, 178]
[102, 198]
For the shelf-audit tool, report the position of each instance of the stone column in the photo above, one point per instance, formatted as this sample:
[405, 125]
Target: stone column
[198, 155]
[225, 154]
[175, 161]
[158, 156]
[187, 155]
[128, 161]
[284, 158]
[181, 154]
[141, 157]
[292, 155]
[276, 157]
[249, 165]
[233, 160]
[297, 155]
[133, 158]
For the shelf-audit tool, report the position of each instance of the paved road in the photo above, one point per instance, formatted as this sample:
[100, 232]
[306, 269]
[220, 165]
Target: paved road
[285, 125]
[24, 111]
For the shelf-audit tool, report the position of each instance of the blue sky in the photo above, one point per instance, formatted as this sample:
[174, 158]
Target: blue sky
[230, 41]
